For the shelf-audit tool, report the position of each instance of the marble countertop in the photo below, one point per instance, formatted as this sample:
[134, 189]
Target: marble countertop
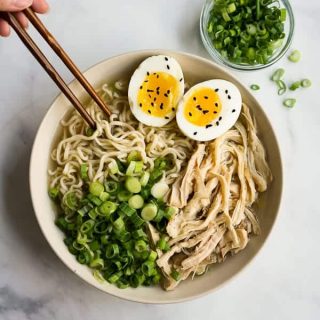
[283, 281]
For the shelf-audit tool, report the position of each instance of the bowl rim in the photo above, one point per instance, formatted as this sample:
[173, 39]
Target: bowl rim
[216, 56]
[32, 172]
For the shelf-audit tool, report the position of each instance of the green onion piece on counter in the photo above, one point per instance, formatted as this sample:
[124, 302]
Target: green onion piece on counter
[295, 56]
[159, 189]
[148, 268]
[277, 75]
[175, 275]
[124, 195]
[289, 103]
[136, 202]
[131, 168]
[126, 209]
[133, 184]
[295, 85]
[112, 251]
[149, 212]
[113, 167]
[134, 156]
[96, 188]
[144, 178]
[306, 83]
[282, 88]
[254, 87]
[107, 208]
[84, 172]
[53, 193]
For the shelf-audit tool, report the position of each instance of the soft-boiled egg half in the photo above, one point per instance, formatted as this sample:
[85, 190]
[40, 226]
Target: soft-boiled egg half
[155, 89]
[209, 109]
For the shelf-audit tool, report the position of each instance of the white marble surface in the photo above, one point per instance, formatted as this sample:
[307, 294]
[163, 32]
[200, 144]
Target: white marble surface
[282, 283]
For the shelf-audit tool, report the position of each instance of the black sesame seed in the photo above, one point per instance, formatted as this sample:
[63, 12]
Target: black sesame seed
[217, 123]
[165, 58]
[149, 90]
[168, 91]
[215, 112]
[154, 99]
[194, 99]
[149, 111]
[149, 95]
[205, 111]
[161, 106]
[148, 74]
[190, 114]
[216, 104]
[166, 117]
[195, 133]
[233, 110]
[166, 95]
[152, 104]
[208, 126]
[140, 87]
[140, 104]
[205, 97]
[226, 91]
[168, 67]
[158, 92]
[154, 73]
[198, 107]
[216, 90]
[229, 97]
[145, 80]
[157, 76]
[181, 79]
[220, 118]
[158, 88]
[173, 109]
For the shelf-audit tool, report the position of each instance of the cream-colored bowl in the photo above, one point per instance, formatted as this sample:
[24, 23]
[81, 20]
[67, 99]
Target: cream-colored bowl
[195, 69]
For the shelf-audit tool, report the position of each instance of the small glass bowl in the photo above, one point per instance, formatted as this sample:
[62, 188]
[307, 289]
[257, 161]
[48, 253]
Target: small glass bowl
[215, 54]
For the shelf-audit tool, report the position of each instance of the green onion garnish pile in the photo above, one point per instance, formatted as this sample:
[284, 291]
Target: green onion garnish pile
[106, 228]
[247, 31]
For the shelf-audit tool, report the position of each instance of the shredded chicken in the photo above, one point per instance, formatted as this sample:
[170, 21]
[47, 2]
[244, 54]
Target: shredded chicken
[215, 195]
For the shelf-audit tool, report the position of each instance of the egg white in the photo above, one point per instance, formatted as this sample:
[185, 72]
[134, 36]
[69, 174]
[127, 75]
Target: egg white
[231, 108]
[160, 63]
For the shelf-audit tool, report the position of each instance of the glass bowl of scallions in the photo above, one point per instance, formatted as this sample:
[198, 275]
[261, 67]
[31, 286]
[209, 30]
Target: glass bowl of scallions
[247, 34]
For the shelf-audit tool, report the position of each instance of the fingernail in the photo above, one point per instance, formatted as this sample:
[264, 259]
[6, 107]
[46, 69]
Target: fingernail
[21, 4]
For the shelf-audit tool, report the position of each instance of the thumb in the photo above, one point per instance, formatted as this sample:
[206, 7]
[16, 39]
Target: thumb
[14, 5]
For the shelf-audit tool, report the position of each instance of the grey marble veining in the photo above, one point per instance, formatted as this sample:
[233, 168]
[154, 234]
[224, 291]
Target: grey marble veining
[283, 281]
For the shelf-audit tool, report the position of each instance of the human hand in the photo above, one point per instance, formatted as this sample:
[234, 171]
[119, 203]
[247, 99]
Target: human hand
[16, 6]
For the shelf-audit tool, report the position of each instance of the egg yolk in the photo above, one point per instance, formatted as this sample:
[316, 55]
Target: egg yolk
[202, 107]
[158, 94]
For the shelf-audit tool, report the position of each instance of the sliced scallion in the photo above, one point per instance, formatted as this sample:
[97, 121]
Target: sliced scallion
[295, 56]
[305, 83]
[289, 103]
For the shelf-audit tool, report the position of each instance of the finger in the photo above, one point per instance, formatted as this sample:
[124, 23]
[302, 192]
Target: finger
[40, 6]
[4, 28]
[22, 19]
[14, 5]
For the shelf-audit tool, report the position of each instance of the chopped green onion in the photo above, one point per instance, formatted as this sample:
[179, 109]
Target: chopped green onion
[87, 226]
[115, 277]
[295, 85]
[131, 168]
[162, 244]
[113, 167]
[140, 246]
[136, 202]
[144, 178]
[137, 234]
[289, 103]
[85, 209]
[277, 75]
[111, 187]
[126, 209]
[153, 256]
[169, 212]
[283, 15]
[254, 87]
[97, 263]
[149, 212]
[139, 167]
[175, 275]
[53, 193]
[124, 195]
[148, 268]
[134, 156]
[89, 132]
[295, 56]
[159, 189]
[95, 200]
[84, 172]
[98, 276]
[136, 220]
[122, 283]
[84, 257]
[305, 83]
[136, 280]
[70, 200]
[159, 216]
[112, 251]
[104, 196]
[96, 188]
[61, 223]
[107, 208]
[282, 88]
[133, 184]
[119, 224]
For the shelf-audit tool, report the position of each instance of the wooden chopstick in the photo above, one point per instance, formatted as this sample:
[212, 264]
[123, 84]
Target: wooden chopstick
[53, 43]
